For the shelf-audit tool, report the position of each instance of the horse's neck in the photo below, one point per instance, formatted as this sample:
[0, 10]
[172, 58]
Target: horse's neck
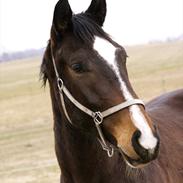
[77, 152]
[82, 159]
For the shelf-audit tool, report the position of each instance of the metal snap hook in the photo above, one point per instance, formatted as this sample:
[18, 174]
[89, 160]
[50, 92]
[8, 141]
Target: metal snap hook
[110, 152]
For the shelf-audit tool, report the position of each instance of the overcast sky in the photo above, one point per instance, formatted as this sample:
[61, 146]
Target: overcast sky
[26, 24]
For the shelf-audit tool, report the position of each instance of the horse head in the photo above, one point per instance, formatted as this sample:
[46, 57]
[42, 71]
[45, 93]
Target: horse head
[93, 69]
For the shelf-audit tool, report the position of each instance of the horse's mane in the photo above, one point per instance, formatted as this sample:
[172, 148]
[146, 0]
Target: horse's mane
[85, 29]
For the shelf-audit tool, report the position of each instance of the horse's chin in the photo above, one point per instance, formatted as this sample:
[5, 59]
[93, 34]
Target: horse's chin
[133, 163]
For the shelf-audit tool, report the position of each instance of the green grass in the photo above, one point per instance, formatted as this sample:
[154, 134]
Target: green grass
[26, 136]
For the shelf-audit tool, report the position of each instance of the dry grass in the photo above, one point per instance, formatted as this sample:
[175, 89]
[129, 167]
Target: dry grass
[26, 136]
[156, 69]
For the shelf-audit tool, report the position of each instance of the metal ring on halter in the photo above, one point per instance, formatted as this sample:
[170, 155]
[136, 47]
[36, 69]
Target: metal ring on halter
[60, 84]
[98, 118]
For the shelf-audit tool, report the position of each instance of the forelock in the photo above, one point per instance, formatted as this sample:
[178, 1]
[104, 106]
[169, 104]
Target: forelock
[85, 29]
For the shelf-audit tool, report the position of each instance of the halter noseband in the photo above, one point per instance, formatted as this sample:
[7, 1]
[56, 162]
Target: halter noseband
[98, 116]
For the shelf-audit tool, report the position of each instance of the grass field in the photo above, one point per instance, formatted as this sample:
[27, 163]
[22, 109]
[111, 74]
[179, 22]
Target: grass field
[26, 135]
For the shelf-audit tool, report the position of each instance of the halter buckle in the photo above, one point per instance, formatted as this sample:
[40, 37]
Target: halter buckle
[98, 118]
[60, 84]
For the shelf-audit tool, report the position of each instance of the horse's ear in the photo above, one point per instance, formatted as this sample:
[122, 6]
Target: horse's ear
[97, 11]
[62, 16]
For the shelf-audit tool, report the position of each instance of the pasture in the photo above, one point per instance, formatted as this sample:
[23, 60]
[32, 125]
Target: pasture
[26, 127]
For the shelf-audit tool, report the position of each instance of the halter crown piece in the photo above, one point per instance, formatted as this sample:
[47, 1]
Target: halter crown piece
[98, 116]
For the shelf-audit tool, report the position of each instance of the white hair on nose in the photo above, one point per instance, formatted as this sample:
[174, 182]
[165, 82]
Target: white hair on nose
[107, 51]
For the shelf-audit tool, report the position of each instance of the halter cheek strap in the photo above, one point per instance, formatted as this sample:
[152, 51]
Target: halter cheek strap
[98, 116]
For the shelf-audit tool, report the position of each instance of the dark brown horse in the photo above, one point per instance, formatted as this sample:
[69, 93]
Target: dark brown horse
[103, 132]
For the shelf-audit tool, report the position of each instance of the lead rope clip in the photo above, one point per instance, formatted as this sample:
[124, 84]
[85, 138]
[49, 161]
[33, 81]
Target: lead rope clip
[98, 119]
[109, 150]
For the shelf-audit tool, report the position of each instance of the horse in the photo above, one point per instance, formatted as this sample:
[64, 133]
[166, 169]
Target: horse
[103, 132]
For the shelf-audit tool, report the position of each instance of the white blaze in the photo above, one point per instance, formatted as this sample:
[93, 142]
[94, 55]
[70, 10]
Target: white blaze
[107, 52]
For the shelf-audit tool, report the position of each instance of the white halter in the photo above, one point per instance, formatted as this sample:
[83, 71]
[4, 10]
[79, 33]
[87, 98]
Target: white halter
[97, 116]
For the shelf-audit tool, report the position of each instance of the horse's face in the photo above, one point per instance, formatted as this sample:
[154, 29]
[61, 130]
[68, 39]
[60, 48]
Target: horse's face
[95, 73]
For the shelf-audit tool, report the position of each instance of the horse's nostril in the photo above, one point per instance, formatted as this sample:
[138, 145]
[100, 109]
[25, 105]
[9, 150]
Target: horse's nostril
[145, 154]
[138, 148]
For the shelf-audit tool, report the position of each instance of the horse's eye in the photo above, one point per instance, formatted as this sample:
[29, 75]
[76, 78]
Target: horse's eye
[77, 68]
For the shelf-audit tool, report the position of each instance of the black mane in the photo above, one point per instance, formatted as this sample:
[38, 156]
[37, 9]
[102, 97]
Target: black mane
[85, 29]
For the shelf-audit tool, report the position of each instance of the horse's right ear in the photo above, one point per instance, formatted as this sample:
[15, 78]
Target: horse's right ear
[62, 17]
[97, 11]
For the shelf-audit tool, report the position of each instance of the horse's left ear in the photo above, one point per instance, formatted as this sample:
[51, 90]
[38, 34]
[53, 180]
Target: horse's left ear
[97, 11]
[62, 16]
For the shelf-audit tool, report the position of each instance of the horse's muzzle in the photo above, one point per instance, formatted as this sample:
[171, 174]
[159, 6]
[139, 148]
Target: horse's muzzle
[145, 155]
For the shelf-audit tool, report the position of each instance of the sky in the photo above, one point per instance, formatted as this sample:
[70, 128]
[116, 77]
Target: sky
[25, 24]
